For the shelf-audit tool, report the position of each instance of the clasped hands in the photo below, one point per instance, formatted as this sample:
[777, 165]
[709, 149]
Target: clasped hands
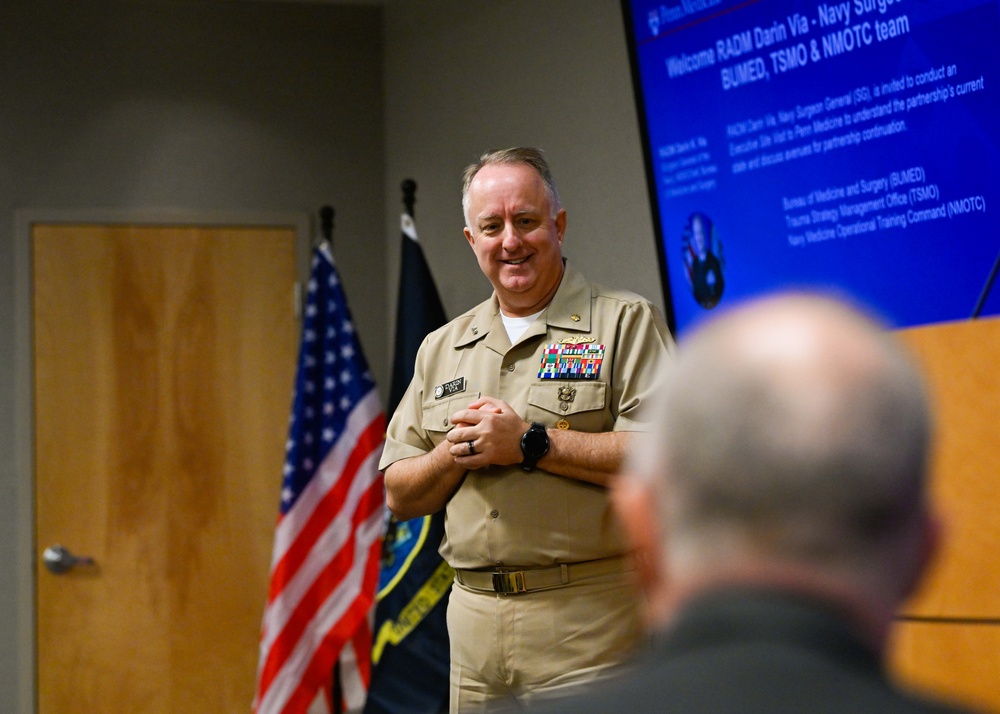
[486, 433]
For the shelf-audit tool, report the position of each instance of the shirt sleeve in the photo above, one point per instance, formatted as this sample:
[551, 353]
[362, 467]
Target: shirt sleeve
[406, 436]
[643, 351]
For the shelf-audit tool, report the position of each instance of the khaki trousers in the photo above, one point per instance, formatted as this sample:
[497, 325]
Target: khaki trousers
[509, 650]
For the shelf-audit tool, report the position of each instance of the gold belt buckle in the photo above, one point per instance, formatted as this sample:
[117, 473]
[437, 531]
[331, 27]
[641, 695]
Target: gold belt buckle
[509, 583]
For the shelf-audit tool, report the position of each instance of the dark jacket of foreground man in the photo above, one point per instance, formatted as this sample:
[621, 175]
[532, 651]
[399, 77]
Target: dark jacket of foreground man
[754, 651]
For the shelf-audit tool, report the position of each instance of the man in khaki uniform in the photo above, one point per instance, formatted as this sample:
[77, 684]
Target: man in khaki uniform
[517, 416]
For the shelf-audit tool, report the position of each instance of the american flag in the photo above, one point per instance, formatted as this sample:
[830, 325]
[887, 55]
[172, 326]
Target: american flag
[324, 568]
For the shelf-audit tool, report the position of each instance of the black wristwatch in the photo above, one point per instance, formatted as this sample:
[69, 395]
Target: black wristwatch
[534, 445]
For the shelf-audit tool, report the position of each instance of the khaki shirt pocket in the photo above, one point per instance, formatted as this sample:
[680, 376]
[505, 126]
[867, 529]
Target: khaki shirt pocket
[437, 413]
[580, 404]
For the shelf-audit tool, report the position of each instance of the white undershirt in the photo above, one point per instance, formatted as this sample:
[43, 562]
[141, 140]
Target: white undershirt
[516, 326]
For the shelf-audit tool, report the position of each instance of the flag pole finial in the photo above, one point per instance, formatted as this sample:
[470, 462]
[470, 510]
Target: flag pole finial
[409, 196]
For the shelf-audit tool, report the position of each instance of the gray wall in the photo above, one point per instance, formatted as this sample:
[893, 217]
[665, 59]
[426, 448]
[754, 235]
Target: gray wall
[253, 107]
[464, 77]
[234, 108]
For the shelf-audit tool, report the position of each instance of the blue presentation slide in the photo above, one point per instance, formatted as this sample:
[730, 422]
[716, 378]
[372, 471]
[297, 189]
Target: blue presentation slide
[848, 144]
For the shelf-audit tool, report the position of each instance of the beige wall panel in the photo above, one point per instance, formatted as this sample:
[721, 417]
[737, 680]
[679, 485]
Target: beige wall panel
[961, 361]
[950, 659]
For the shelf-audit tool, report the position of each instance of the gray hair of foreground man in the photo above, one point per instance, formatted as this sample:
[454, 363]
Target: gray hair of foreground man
[516, 155]
[793, 430]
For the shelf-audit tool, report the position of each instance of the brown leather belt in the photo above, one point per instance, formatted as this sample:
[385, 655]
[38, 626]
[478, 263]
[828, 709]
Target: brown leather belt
[511, 581]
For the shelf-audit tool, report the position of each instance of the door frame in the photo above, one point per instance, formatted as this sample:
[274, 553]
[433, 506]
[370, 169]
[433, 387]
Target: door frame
[25, 549]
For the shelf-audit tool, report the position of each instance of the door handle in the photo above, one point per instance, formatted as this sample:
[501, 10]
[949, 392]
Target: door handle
[59, 559]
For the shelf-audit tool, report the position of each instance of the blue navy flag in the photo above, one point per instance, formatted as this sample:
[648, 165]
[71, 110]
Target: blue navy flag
[418, 310]
[324, 566]
[410, 653]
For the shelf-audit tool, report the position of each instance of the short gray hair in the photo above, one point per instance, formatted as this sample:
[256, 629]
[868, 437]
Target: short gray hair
[795, 426]
[517, 155]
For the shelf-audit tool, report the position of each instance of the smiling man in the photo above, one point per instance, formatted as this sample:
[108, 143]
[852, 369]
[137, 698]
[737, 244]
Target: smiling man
[518, 414]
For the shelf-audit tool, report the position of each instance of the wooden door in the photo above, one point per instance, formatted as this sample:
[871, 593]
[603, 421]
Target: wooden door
[164, 360]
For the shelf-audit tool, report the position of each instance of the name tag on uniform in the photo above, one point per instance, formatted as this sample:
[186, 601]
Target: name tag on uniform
[455, 386]
[571, 361]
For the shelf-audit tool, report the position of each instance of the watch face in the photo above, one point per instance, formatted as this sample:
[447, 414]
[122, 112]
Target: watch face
[535, 442]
